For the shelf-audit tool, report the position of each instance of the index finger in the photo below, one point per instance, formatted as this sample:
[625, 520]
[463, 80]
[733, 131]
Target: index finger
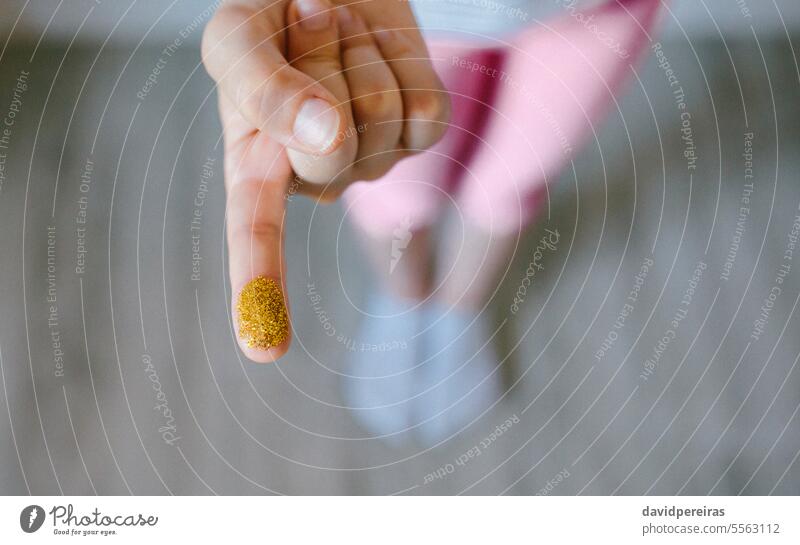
[257, 172]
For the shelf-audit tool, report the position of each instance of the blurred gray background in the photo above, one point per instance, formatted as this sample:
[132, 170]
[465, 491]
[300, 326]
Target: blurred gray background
[120, 373]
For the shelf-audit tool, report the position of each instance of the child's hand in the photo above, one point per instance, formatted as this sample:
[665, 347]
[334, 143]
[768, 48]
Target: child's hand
[312, 98]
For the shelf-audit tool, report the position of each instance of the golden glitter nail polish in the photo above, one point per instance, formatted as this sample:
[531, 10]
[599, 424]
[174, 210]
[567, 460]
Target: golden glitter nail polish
[263, 322]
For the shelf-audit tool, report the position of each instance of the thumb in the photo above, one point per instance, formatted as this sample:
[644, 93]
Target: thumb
[313, 48]
[243, 52]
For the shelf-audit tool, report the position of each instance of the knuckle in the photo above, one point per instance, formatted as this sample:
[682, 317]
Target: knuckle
[322, 57]
[278, 82]
[399, 47]
[430, 106]
[262, 230]
[209, 44]
[263, 98]
[219, 35]
[377, 103]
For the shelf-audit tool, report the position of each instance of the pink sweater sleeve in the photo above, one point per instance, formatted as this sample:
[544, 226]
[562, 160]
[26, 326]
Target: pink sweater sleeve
[561, 79]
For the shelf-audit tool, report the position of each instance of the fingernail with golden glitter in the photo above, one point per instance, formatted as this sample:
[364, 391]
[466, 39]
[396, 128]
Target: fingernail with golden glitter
[263, 321]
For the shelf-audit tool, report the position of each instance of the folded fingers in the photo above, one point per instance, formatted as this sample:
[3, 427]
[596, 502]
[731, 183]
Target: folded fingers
[375, 97]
